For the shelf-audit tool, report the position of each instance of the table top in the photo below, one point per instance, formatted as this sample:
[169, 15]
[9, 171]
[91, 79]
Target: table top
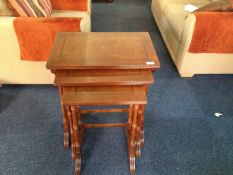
[106, 95]
[103, 50]
[103, 77]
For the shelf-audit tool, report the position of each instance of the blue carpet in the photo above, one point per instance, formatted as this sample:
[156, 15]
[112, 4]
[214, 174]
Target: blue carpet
[183, 137]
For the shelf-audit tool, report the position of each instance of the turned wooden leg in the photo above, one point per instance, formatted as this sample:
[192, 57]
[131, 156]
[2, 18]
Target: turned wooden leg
[76, 127]
[80, 125]
[66, 129]
[138, 149]
[132, 164]
[77, 169]
[65, 123]
[75, 132]
[130, 119]
[142, 125]
[142, 108]
[69, 116]
[138, 135]
[132, 141]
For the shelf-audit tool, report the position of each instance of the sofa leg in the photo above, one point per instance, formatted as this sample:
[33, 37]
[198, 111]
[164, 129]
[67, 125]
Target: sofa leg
[184, 75]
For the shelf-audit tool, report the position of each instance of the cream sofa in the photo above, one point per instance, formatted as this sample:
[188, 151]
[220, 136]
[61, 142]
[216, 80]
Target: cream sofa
[176, 26]
[15, 71]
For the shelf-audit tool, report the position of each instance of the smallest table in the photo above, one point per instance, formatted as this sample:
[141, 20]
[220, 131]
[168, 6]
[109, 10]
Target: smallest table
[75, 97]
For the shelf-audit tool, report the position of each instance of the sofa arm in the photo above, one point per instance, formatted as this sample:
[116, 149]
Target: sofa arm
[186, 39]
[12, 69]
[215, 23]
[8, 42]
[80, 5]
[36, 35]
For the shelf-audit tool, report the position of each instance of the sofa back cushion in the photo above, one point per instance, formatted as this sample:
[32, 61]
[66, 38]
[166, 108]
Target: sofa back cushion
[80, 5]
[33, 8]
[217, 6]
[5, 9]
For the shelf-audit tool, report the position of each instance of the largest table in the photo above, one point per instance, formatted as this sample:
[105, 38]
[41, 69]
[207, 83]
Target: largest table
[96, 59]
[103, 51]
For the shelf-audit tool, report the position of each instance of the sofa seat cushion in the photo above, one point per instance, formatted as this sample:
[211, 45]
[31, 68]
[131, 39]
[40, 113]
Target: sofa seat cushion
[176, 15]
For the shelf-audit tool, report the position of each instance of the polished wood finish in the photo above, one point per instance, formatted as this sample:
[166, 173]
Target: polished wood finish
[123, 95]
[132, 140]
[113, 50]
[112, 125]
[102, 69]
[65, 122]
[74, 97]
[68, 113]
[88, 111]
[103, 77]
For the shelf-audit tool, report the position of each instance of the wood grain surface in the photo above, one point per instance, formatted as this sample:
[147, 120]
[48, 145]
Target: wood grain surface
[103, 50]
[103, 77]
[106, 95]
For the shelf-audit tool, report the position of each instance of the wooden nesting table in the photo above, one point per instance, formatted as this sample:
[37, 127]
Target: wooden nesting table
[93, 69]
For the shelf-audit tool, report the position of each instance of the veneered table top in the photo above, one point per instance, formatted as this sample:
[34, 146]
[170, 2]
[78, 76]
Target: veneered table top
[103, 50]
[104, 95]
